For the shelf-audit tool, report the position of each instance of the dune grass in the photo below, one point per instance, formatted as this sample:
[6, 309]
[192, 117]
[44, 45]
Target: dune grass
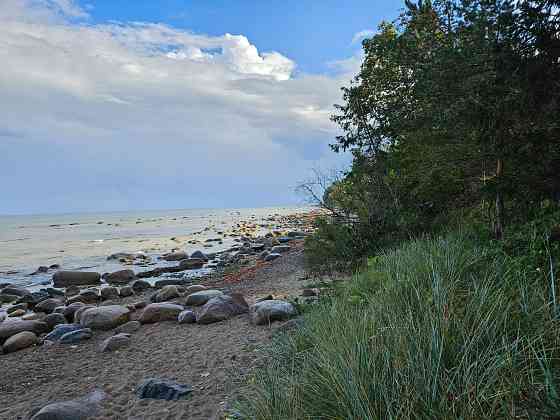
[437, 329]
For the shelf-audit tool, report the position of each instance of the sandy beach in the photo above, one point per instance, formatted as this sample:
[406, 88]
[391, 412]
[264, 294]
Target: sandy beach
[214, 359]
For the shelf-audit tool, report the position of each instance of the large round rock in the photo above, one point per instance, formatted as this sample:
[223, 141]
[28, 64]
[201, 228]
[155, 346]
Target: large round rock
[75, 278]
[120, 277]
[200, 298]
[221, 308]
[271, 310]
[9, 327]
[105, 317]
[156, 312]
[19, 341]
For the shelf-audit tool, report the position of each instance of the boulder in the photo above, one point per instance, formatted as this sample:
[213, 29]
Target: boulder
[175, 256]
[280, 249]
[33, 298]
[12, 327]
[77, 409]
[79, 311]
[89, 296]
[105, 317]
[140, 285]
[221, 308]
[271, 310]
[126, 291]
[199, 254]
[156, 312]
[19, 341]
[116, 342]
[272, 257]
[200, 298]
[162, 389]
[74, 337]
[16, 307]
[166, 294]
[186, 317]
[5, 298]
[75, 278]
[55, 293]
[129, 327]
[120, 277]
[195, 288]
[54, 319]
[191, 264]
[60, 330]
[140, 304]
[47, 306]
[109, 292]
[72, 291]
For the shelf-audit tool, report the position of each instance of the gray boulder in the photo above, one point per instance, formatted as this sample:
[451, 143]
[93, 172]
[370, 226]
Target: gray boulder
[272, 257]
[105, 317]
[19, 341]
[268, 311]
[78, 409]
[200, 298]
[187, 317]
[195, 288]
[78, 313]
[221, 308]
[140, 285]
[15, 307]
[75, 278]
[15, 291]
[129, 327]
[12, 327]
[47, 306]
[120, 277]
[156, 312]
[71, 309]
[74, 337]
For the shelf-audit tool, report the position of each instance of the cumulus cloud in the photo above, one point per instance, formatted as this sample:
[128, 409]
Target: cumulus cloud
[126, 115]
[360, 36]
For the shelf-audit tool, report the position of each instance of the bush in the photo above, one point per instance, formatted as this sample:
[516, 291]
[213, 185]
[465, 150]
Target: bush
[437, 329]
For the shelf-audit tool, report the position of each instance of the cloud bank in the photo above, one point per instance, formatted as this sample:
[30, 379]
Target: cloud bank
[143, 115]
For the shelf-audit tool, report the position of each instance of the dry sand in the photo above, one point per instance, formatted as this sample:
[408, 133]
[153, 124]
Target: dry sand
[212, 358]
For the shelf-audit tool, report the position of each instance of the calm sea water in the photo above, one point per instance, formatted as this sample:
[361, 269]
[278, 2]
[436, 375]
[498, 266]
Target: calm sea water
[83, 241]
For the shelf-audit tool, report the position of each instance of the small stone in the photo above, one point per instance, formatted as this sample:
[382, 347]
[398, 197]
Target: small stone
[74, 337]
[186, 317]
[280, 249]
[272, 257]
[195, 288]
[126, 291]
[60, 330]
[78, 409]
[271, 310]
[115, 342]
[166, 294]
[16, 307]
[128, 328]
[156, 312]
[162, 389]
[200, 298]
[140, 285]
[16, 313]
[47, 306]
[109, 292]
[120, 277]
[54, 319]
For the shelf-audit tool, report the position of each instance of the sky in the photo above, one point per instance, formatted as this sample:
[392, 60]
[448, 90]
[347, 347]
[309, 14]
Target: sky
[110, 105]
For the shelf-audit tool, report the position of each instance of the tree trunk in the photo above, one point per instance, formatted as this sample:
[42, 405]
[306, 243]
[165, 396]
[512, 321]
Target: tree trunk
[499, 224]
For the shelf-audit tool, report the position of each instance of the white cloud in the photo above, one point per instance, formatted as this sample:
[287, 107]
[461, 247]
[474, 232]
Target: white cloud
[360, 36]
[108, 101]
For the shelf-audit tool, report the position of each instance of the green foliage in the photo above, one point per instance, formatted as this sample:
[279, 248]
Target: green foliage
[437, 329]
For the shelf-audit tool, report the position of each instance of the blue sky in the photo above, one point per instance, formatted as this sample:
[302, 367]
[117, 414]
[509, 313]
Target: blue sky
[132, 104]
[311, 32]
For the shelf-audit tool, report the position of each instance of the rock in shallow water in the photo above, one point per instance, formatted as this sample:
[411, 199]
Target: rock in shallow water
[78, 409]
[162, 389]
[75, 278]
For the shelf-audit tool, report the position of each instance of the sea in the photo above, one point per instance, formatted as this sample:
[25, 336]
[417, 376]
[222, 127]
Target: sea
[84, 241]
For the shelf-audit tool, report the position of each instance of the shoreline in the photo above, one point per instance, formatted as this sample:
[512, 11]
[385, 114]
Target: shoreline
[212, 358]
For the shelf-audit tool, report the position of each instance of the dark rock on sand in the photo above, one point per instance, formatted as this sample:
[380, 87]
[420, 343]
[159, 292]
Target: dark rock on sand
[110, 292]
[47, 306]
[70, 309]
[186, 317]
[78, 409]
[221, 308]
[271, 310]
[60, 330]
[166, 294]
[162, 389]
[115, 342]
[128, 328]
[200, 298]
[19, 341]
[105, 317]
[195, 288]
[120, 277]
[12, 327]
[75, 278]
[272, 257]
[74, 337]
[156, 312]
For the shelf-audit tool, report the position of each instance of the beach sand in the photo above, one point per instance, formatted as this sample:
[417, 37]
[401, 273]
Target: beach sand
[214, 359]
